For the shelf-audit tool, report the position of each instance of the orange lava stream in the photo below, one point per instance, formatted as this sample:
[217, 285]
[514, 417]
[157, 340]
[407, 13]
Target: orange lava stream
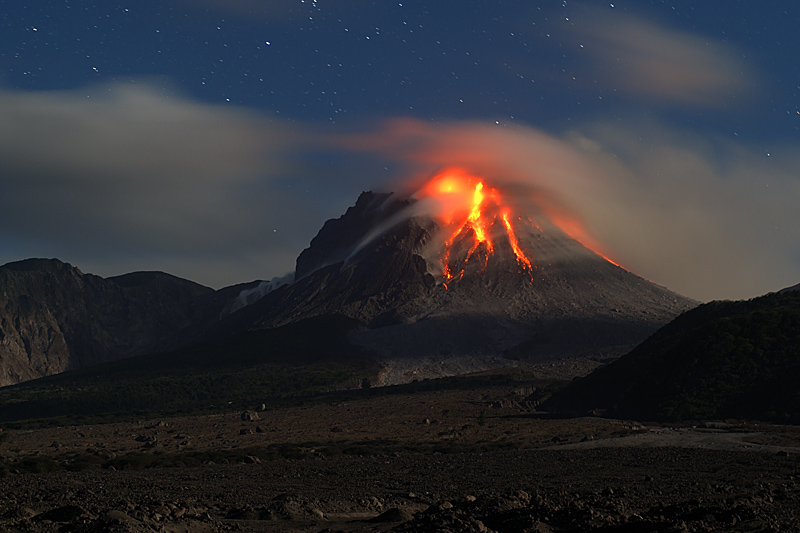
[471, 211]
[573, 229]
[468, 204]
[475, 221]
[512, 238]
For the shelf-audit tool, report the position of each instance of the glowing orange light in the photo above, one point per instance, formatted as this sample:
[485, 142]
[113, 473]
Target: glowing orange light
[512, 238]
[469, 209]
[574, 230]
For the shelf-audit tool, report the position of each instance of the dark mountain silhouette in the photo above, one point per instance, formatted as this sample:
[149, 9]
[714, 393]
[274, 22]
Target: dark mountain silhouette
[721, 360]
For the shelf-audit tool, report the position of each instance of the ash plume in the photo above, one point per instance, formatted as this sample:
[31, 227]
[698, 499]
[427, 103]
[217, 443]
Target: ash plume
[707, 217]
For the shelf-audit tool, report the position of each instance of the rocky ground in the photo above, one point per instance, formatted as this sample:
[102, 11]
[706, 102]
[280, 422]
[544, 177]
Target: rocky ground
[480, 460]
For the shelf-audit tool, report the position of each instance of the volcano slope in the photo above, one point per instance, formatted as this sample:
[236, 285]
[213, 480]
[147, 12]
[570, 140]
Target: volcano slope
[439, 298]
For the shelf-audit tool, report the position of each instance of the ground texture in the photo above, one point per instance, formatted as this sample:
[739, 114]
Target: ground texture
[480, 460]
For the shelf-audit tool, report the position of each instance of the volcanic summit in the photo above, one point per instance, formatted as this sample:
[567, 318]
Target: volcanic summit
[462, 276]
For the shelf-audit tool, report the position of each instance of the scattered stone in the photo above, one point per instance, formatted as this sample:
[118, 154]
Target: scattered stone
[22, 513]
[395, 514]
[105, 454]
[115, 517]
[245, 513]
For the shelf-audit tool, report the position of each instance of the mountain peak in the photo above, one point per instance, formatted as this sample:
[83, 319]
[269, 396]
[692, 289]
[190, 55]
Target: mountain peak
[338, 237]
[40, 264]
[449, 287]
[54, 318]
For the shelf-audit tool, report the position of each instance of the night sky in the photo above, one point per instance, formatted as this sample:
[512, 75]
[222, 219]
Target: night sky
[211, 139]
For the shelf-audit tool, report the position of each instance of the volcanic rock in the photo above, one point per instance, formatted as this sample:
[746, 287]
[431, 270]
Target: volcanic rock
[249, 416]
[395, 514]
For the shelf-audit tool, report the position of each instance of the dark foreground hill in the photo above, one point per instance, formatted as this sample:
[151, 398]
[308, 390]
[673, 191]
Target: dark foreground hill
[721, 360]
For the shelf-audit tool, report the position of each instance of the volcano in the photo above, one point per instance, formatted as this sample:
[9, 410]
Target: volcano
[461, 276]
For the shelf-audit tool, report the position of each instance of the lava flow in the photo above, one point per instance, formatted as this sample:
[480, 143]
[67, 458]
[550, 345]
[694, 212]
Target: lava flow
[469, 210]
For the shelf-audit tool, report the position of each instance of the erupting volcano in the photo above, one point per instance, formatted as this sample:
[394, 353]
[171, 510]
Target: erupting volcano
[469, 216]
[465, 275]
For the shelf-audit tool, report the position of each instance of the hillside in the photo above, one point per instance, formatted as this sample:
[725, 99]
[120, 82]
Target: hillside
[54, 318]
[721, 360]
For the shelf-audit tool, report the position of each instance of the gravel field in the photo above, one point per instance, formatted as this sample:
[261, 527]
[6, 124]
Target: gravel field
[439, 461]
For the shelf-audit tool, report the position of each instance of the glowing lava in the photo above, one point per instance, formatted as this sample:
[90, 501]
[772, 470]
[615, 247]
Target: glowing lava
[512, 239]
[469, 210]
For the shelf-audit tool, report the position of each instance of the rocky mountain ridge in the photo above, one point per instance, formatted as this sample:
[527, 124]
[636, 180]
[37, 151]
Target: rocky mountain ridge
[53, 317]
[380, 264]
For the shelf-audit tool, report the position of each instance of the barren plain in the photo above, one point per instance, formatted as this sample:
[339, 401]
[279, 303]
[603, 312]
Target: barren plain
[477, 460]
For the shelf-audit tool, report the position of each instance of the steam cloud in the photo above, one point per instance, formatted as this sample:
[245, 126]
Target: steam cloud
[708, 218]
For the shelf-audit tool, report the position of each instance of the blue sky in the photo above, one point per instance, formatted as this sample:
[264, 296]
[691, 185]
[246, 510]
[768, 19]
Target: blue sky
[212, 139]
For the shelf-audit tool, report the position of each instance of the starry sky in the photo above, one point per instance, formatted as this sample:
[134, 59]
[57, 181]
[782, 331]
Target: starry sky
[211, 139]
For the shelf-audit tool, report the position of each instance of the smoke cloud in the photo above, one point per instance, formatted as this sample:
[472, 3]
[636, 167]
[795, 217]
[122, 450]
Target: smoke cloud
[128, 177]
[708, 218]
